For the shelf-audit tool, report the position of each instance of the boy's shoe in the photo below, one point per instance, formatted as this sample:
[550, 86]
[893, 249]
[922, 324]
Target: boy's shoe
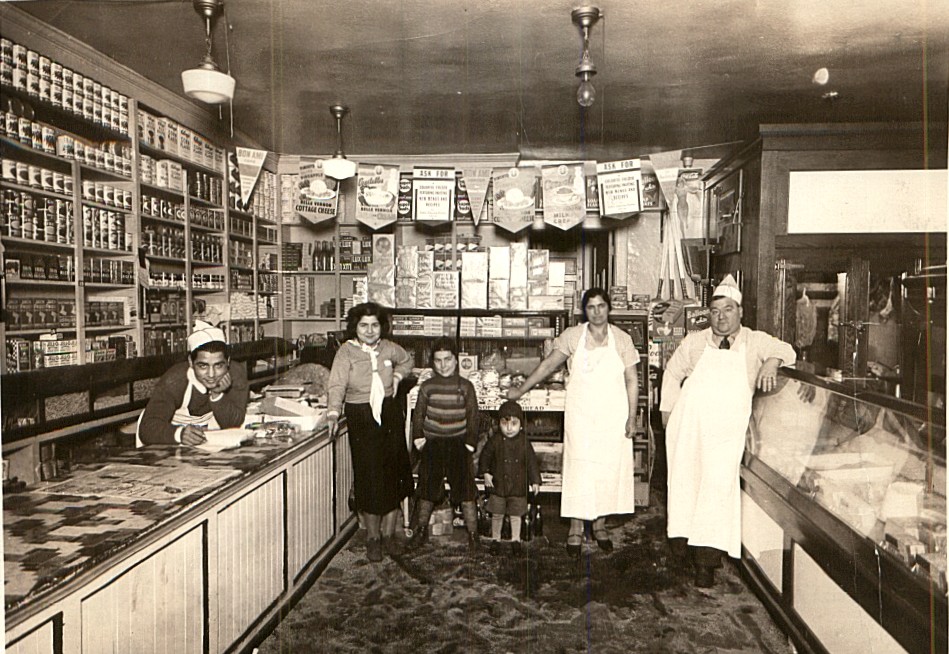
[374, 549]
[392, 546]
[419, 538]
[574, 545]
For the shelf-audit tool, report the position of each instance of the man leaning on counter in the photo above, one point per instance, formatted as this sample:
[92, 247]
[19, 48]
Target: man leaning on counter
[205, 392]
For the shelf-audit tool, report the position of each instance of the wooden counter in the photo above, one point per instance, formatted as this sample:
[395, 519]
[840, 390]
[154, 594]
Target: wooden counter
[205, 572]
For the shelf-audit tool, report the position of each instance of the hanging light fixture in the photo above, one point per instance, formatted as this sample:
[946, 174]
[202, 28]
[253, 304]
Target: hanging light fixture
[206, 82]
[585, 18]
[339, 167]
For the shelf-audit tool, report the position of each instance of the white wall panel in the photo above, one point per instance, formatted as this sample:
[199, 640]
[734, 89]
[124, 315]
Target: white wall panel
[344, 478]
[155, 607]
[39, 641]
[309, 507]
[250, 560]
[763, 538]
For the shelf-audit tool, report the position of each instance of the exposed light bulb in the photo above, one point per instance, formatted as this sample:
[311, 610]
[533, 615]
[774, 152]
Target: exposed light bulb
[586, 93]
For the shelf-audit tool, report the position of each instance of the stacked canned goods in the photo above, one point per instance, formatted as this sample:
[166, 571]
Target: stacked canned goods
[37, 218]
[156, 207]
[48, 81]
[104, 229]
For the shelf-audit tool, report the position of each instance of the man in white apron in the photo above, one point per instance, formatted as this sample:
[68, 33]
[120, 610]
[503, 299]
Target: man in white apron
[204, 392]
[599, 419]
[707, 388]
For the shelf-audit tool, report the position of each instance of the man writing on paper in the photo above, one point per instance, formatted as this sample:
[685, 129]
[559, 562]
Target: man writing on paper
[706, 403]
[205, 392]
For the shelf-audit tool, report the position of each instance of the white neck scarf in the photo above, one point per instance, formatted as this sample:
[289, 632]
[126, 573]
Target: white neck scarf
[377, 391]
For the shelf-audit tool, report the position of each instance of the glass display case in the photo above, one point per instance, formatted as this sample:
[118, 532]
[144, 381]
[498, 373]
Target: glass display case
[852, 483]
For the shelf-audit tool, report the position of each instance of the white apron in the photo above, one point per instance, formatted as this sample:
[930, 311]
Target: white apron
[704, 444]
[181, 416]
[597, 457]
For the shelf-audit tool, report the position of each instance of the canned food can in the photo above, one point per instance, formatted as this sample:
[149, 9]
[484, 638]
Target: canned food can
[56, 94]
[88, 190]
[33, 62]
[67, 77]
[123, 114]
[88, 86]
[19, 56]
[100, 158]
[49, 139]
[67, 96]
[36, 135]
[99, 190]
[25, 130]
[49, 227]
[33, 84]
[46, 68]
[19, 79]
[6, 50]
[22, 174]
[68, 184]
[6, 74]
[56, 72]
[79, 151]
[97, 110]
[47, 176]
[88, 106]
[127, 200]
[109, 194]
[12, 124]
[8, 167]
[109, 161]
[45, 90]
[59, 182]
[65, 146]
[36, 176]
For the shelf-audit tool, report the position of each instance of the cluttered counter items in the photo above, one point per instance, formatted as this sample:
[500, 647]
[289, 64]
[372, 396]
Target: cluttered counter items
[57, 530]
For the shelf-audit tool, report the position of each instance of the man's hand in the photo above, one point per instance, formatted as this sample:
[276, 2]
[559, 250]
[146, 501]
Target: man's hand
[222, 385]
[192, 435]
[488, 480]
[535, 488]
[514, 393]
[631, 426]
[768, 375]
[331, 425]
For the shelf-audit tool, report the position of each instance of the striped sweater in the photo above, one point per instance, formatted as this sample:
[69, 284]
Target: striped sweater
[447, 407]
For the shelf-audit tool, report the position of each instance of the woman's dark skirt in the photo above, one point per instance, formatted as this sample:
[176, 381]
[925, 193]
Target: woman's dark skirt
[382, 474]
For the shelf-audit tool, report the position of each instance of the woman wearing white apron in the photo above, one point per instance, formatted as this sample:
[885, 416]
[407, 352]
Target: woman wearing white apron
[707, 389]
[599, 419]
[204, 392]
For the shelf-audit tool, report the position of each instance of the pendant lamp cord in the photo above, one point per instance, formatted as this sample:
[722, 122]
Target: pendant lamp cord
[227, 62]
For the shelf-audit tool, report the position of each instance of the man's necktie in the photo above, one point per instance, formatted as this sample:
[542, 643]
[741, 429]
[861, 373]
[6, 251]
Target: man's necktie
[725, 344]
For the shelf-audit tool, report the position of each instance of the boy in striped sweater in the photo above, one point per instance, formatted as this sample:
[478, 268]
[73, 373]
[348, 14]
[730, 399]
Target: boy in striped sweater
[445, 429]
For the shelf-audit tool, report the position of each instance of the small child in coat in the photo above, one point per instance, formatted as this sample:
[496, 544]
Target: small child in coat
[510, 470]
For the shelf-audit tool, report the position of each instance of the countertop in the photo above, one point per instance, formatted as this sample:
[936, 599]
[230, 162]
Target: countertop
[50, 539]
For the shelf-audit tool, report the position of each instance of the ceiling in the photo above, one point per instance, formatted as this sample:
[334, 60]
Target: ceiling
[478, 76]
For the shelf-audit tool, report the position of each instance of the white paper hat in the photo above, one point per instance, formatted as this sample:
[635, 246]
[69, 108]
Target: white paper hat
[204, 333]
[728, 288]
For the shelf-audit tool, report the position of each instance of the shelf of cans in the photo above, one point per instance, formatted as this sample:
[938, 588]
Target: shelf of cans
[38, 268]
[47, 80]
[36, 177]
[35, 217]
[26, 314]
[24, 355]
[164, 341]
[105, 229]
[245, 307]
[174, 139]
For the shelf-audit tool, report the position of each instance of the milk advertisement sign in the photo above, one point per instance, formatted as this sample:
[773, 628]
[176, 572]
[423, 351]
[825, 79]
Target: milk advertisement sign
[317, 197]
[377, 193]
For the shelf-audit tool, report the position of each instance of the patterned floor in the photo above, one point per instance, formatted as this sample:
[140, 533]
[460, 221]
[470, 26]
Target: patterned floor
[441, 599]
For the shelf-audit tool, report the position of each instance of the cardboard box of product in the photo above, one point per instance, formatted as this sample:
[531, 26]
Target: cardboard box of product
[499, 262]
[467, 364]
[474, 293]
[498, 293]
[407, 261]
[424, 286]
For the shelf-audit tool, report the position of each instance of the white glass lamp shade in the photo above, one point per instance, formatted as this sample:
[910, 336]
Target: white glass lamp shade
[339, 168]
[208, 85]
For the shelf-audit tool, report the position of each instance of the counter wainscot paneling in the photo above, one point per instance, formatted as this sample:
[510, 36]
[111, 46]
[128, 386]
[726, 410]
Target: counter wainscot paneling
[206, 572]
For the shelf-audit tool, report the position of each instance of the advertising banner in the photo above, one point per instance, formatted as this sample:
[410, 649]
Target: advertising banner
[513, 192]
[317, 198]
[377, 192]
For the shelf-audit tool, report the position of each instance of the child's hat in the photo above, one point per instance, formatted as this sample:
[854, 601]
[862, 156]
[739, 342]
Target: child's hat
[511, 409]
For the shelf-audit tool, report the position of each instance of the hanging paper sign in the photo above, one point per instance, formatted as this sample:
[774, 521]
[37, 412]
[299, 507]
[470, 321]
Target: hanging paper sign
[513, 198]
[250, 162]
[564, 190]
[377, 192]
[620, 185]
[316, 193]
[593, 194]
[476, 182]
[433, 194]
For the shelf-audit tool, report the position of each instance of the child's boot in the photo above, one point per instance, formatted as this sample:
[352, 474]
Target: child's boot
[470, 512]
[420, 535]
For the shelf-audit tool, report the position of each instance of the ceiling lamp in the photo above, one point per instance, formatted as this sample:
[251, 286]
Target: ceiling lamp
[206, 82]
[339, 167]
[585, 18]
